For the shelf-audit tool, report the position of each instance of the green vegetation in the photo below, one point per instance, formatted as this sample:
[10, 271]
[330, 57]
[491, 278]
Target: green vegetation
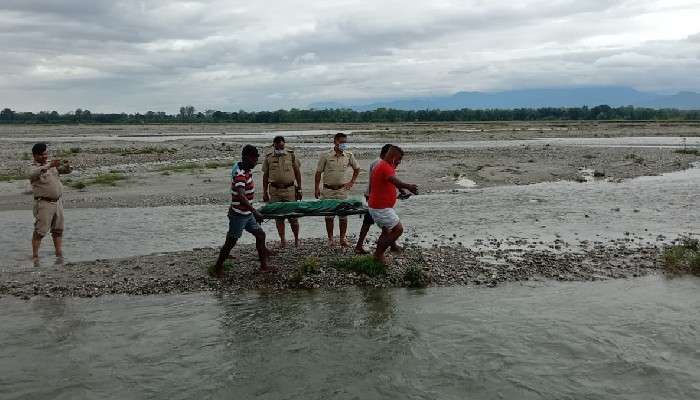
[109, 179]
[362, 265]
[416, 277]
[310, 266]
[635, 158]
[683, 258]
[191, 166]
[144, 150]
[695, 152]
[10, 177]
[188, 114]
[26, 156]
[68, 152]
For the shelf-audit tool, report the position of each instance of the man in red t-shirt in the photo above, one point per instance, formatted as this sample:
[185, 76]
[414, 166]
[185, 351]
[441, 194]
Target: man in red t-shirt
[382, 198]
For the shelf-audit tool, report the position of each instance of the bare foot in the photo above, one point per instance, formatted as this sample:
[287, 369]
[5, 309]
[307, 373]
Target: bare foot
[361, 250]
[216, 272]
[268, 269]
[283, 244]
[331, 243]
[380, 260]
[344, 243]
[396, 249]
[297, 242]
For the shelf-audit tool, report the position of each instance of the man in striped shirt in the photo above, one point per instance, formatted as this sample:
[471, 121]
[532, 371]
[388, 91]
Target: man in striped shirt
[242, 215]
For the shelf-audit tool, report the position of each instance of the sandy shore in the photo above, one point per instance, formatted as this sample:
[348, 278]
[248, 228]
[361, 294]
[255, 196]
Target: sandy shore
[490, 263]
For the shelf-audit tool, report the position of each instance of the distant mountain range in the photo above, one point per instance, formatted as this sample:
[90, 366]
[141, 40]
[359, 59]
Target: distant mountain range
[531, 98]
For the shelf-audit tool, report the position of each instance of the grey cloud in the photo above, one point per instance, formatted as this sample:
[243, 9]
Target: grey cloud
[135, 55]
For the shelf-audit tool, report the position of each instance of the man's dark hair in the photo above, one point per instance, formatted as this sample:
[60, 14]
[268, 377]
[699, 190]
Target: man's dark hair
[39, 148]
[385, 149]
[278, 139]
[339, 135]
[398, 149]
[249, 151]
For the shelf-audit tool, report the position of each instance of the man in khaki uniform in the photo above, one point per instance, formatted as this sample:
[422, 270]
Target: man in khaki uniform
[280, 170]
[333, 166]
[48, 205]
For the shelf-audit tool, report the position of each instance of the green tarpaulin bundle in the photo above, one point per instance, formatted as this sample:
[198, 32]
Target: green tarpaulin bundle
[312, 208]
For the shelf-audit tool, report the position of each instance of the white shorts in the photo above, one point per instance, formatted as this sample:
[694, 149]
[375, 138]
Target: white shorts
[384, 217]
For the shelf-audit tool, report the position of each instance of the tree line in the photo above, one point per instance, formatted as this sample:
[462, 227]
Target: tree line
[188, 114]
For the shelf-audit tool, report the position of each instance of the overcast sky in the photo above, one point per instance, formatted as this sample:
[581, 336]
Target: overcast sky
[110, 55]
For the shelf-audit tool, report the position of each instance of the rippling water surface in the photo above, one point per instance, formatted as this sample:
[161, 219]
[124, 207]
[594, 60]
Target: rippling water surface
[623, 339]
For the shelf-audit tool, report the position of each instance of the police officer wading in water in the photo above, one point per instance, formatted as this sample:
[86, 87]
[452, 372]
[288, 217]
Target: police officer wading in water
[280, 170]
[333, 166]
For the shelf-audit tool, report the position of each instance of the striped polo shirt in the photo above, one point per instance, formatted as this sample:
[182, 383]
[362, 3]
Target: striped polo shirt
[241, 178]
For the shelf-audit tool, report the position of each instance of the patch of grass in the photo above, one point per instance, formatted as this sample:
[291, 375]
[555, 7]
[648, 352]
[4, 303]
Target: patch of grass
[683, 258]
[144, 150]
[109, 179]
[68, 152]
[694, 152]
[416, 277]
[362, 265]
[191, 166]
[216, 164]
[310, 265]
[634, 157]
[180, 167]
[9, 178]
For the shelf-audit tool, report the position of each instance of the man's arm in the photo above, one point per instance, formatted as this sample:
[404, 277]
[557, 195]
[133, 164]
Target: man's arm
[246, 204]
[297, 176]
[36, 170]
[317, 178]
[65, 168]
[266, 184]
[317, 182]
[355, 172]
[402, 185]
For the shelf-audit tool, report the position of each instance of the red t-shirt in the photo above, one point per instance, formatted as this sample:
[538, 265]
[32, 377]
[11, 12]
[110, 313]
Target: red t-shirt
[382, 193]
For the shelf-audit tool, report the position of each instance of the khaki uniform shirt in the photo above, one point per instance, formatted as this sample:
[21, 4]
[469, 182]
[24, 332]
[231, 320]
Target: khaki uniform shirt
[334, 168]
[280, 169]
[45, 181]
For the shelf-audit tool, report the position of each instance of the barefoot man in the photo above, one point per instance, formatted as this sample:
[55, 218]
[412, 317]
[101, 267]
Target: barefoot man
[242, 215]
[48, 206]
[333, 166]
[367, 221]
[280, 170]
[382, 199]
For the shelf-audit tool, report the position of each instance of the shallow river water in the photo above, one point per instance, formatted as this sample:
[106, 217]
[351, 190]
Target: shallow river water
[649, 206]
[622, 339]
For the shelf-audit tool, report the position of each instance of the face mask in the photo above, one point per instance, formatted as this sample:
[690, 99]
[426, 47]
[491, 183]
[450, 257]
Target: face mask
[279, 152]
[343, 146]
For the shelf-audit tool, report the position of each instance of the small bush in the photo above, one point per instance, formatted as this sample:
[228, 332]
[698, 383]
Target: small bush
[683, 257]
[310, 265]
[694, 152]
[362, 265]
[416, 277]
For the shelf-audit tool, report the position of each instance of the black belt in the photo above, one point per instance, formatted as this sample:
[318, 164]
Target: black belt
[50, 200]
[333, 187]
[281, 185]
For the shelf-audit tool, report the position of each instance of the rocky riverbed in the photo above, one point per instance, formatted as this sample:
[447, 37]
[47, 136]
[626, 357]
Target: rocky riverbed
[314, 265]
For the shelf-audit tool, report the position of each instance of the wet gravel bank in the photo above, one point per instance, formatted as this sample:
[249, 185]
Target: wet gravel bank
[489, 264]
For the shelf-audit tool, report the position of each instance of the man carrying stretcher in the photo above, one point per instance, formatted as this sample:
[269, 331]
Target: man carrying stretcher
[382, 199]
